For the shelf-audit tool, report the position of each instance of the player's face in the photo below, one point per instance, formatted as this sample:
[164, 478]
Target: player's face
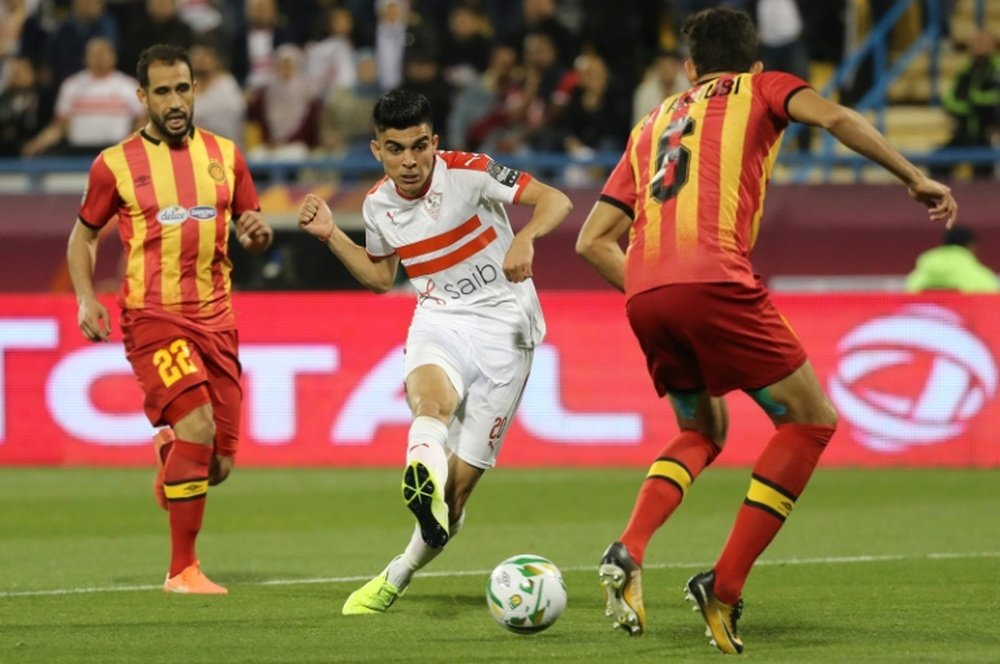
[169, 101]
[407, 156]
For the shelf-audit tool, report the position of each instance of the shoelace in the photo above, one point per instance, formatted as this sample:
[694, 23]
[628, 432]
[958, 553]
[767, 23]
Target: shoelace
[737, 612]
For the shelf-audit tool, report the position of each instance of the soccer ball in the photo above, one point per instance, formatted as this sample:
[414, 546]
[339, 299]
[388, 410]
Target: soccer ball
[526, 594]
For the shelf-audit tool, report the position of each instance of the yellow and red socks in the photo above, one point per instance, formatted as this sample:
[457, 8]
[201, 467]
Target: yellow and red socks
[779, 477]
[666, 483]
[185, 483]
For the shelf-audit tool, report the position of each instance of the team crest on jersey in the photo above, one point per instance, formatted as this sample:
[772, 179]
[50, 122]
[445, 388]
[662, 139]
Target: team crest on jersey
[216, 171]
[502, 174]
[432, 204]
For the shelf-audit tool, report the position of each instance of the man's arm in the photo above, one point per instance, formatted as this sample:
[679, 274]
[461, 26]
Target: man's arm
[598, 244]
[316, 219]
[46, 138]
[856, 132]
[551, 207]
[81, 256]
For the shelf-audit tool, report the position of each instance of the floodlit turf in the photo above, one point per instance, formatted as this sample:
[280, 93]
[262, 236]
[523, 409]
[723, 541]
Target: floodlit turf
[873, 566]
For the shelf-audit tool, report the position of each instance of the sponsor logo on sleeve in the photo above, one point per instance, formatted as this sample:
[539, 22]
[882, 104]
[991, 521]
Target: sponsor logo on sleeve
[503, 174]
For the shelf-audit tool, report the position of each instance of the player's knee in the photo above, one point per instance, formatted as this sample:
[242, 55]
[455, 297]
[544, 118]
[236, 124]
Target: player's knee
[219, 469]
[828, 416]
[432, 408]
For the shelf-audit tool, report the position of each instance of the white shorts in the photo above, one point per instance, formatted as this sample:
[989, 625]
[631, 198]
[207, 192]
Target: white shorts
[489, 374]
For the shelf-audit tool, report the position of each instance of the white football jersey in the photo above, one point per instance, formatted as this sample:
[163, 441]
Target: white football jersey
[452, 241]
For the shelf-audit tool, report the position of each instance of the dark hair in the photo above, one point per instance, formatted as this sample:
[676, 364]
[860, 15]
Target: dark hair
[960, 235]
[400, 109]
[167, 54]
[721, 40]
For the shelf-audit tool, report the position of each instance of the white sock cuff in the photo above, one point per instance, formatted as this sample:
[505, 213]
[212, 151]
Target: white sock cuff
[428, 429]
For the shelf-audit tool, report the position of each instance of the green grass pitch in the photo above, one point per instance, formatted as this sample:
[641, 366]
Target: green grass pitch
[873, 566]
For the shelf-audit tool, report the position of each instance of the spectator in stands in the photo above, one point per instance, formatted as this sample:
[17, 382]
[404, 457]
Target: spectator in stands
[662, 79]
[467, 46]
[21, 113]
[346, 122]
[482, 116]
[287, 109]
[204, 16]
[547, 88]
[13, 15]
[423, 76]
[973, 99]
[390, 41]
[95, 108]
[68, 43]
[254, 44]
[953, 266]
[779, 26]
[541, 16]
[597, 116]
[221, 107]
[160, 23]
[21, 32]
[330, 61]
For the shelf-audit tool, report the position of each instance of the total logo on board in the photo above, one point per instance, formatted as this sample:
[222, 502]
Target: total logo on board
[915, 377]
[176, 214]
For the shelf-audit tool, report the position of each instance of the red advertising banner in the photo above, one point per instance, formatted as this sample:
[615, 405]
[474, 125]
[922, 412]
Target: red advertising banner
[914, 378]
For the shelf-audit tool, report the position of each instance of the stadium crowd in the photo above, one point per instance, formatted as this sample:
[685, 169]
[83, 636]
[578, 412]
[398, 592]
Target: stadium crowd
[298, 77]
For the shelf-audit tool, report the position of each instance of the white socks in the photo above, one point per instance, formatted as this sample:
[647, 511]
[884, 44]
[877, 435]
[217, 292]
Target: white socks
[417, 555]
[426, 443]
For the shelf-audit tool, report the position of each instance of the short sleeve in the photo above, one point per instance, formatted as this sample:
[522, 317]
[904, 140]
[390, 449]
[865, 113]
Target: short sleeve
[776, 88]
[497, 182]
[503, 183]
[375, 243]
[244, 192]
[64, 99]
[620, 188]
[101, 199]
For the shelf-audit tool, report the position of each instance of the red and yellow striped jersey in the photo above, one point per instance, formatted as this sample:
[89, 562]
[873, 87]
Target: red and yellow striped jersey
[174, 205]
[693, 178]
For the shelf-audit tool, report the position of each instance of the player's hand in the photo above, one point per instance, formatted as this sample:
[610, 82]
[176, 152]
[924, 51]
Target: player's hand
[316, 218]
[937, 197]
[93, 319]
[253, 232]
[517, 262]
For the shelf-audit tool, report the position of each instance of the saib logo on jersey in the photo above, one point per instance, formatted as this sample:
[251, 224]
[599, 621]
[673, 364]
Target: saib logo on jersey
[915, 377]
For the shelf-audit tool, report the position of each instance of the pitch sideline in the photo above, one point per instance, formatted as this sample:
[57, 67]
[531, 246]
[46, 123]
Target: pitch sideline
[833, 560]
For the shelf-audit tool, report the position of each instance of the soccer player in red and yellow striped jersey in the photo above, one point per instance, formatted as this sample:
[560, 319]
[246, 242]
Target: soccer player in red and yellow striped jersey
[690, 189]
[174, 189]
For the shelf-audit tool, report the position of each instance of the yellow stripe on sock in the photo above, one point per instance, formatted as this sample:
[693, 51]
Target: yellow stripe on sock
[186, 490]
[770, 497]
[673, 472]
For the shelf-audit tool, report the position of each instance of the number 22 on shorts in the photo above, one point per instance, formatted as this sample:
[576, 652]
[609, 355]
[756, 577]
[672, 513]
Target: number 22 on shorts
[174, 362]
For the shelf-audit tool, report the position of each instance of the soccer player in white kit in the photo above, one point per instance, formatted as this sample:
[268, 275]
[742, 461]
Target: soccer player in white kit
[477, 318]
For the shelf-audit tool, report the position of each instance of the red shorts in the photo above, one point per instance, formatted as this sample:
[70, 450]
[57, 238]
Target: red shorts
[178, 364]
[717, 337]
